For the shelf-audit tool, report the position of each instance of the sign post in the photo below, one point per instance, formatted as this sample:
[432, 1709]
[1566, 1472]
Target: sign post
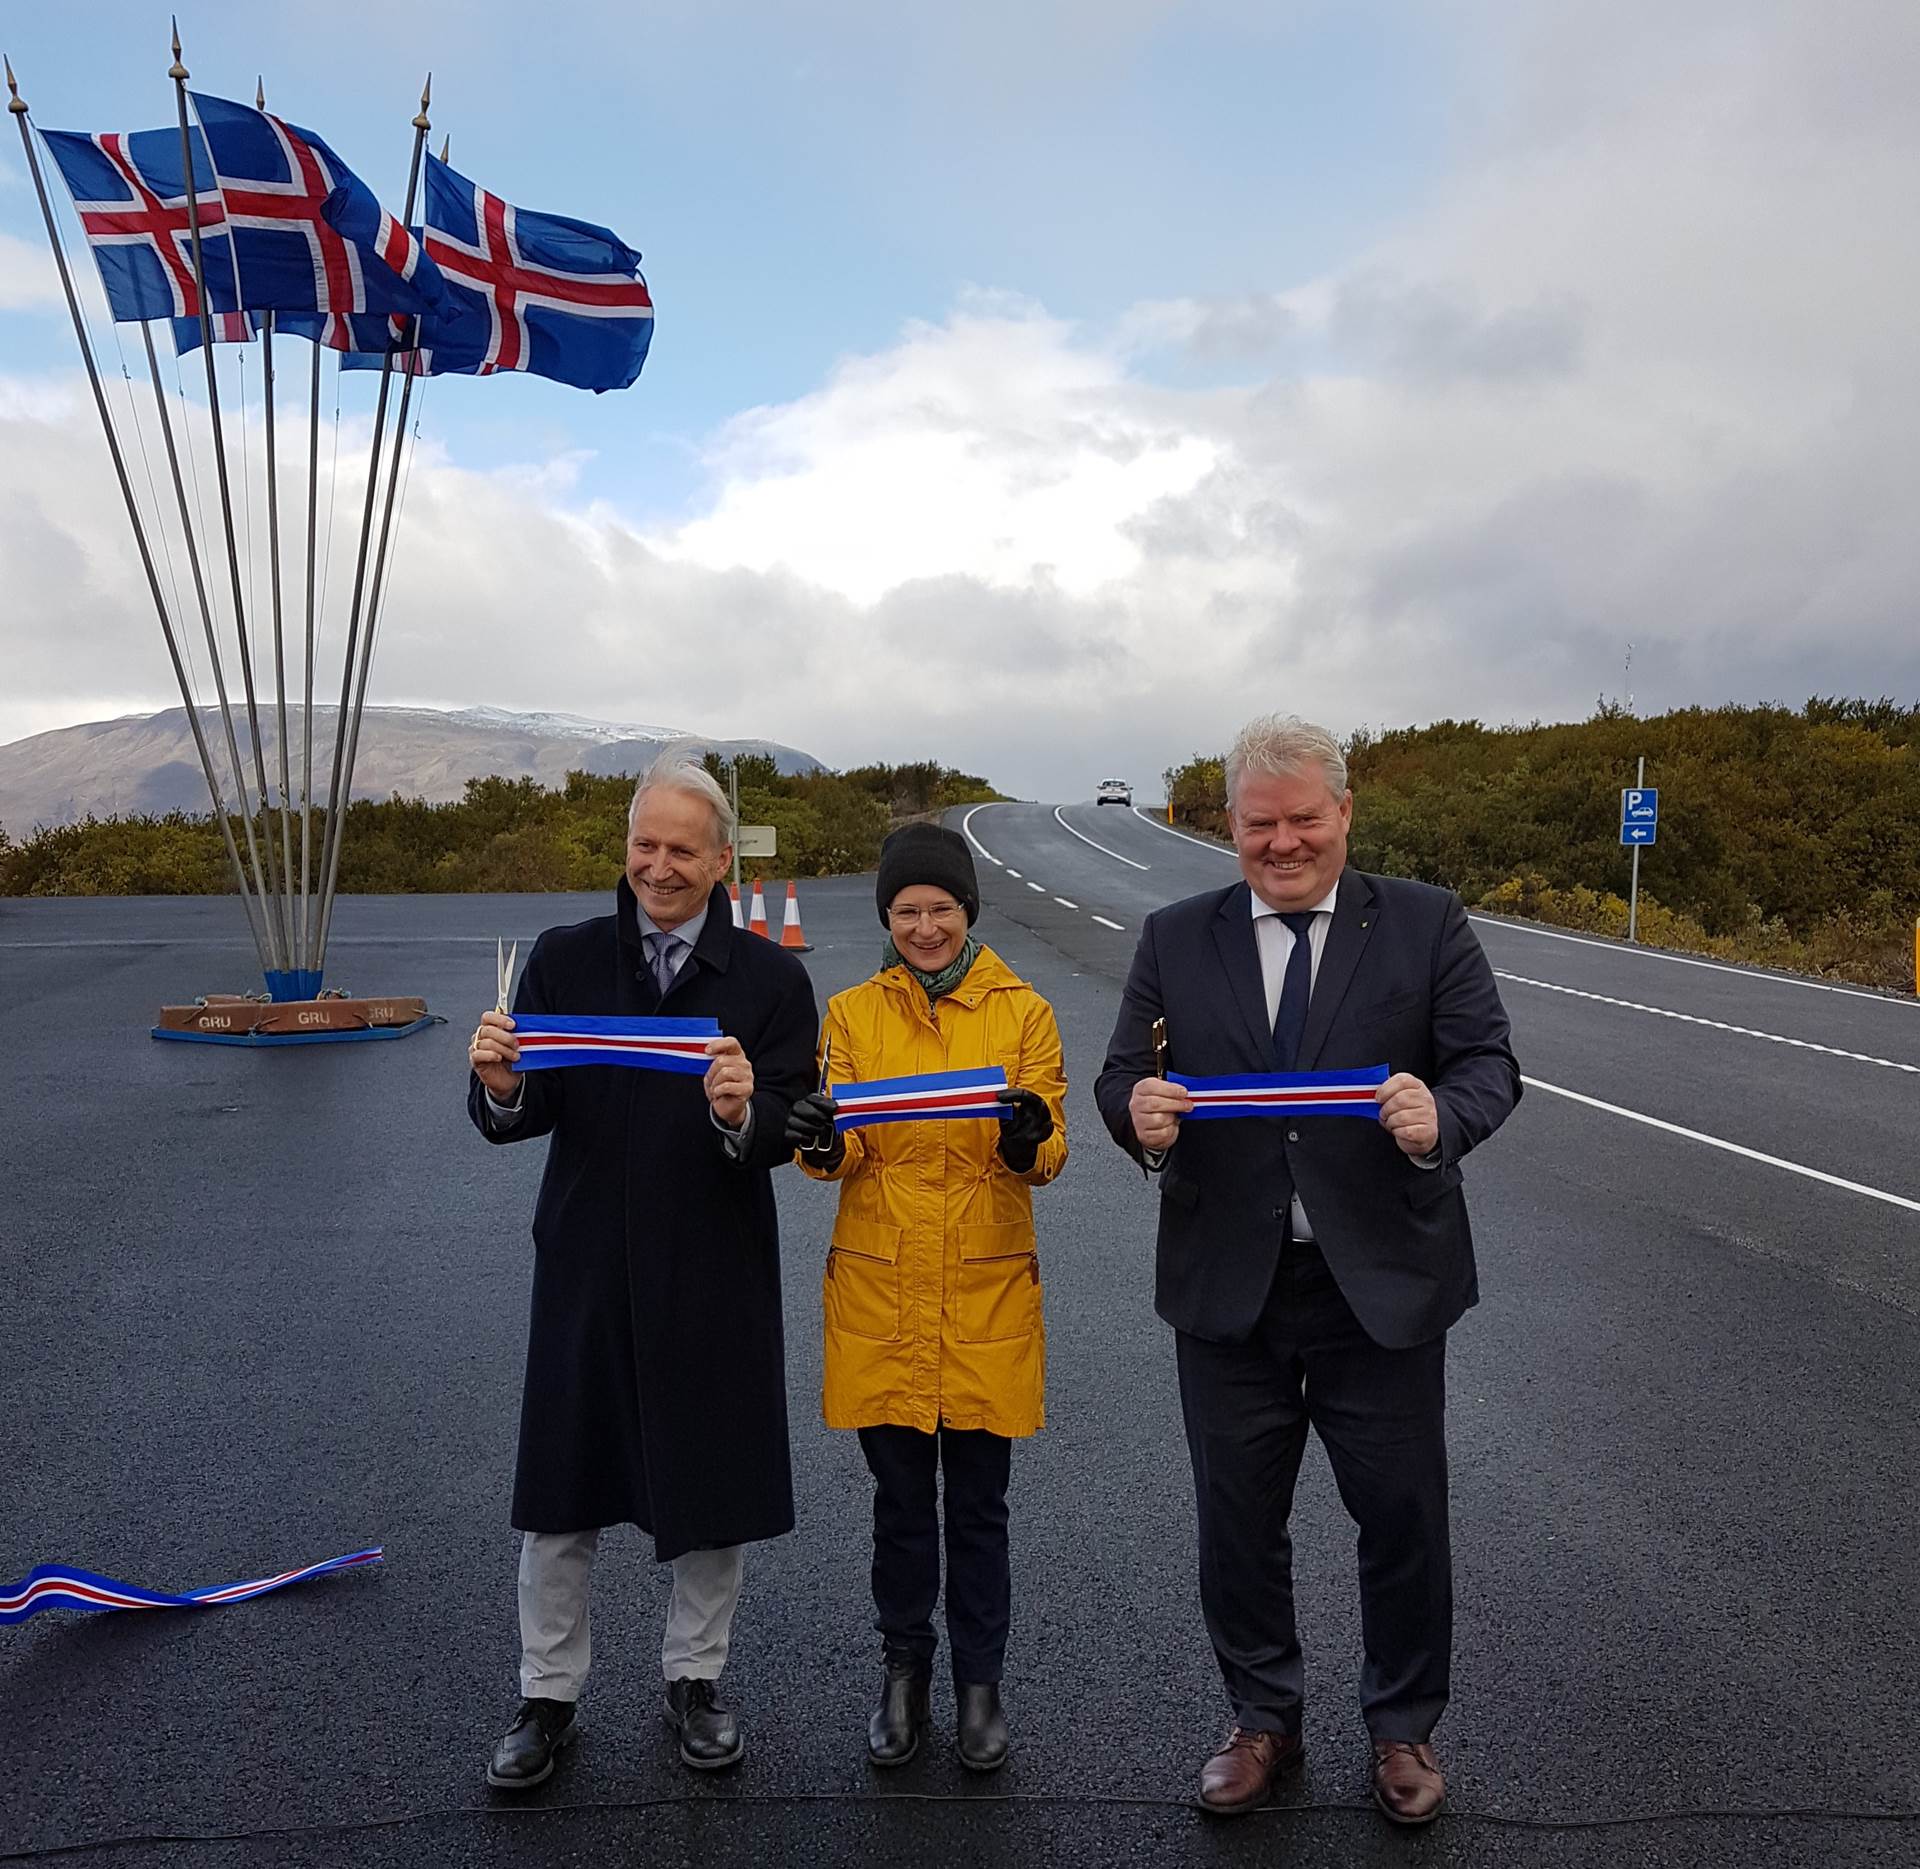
[1639, 827]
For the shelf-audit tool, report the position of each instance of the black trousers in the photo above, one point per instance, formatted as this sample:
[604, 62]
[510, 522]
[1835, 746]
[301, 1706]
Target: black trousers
[906, 1543]
[1381, 1416]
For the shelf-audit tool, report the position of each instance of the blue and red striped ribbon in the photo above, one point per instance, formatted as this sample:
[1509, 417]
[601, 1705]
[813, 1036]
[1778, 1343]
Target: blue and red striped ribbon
[1284, 1093]
[930, 1097]
[62, 1586]
[549, 1040]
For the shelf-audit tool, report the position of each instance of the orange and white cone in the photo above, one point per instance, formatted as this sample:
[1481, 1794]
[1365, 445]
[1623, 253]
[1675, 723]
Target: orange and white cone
[733, 892]
[790, 935]
[757, 914]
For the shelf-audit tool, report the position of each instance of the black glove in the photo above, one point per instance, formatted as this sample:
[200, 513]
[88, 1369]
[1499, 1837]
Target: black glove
[1027, 1123]
[810, 1130]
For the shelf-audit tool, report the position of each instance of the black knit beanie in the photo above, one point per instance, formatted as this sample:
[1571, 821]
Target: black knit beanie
[928, 853]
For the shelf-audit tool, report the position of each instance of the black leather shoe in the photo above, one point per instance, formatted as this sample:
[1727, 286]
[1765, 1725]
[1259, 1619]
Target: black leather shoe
[710, 1737]
[983, 1726]
[904, 1712]
[524, 1758]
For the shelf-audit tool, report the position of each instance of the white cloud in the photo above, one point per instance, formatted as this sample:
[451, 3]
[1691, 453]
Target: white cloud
[1641, 369]
[27, 278]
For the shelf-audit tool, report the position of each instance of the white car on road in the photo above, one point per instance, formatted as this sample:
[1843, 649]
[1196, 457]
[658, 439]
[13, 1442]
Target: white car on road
[1114, 792]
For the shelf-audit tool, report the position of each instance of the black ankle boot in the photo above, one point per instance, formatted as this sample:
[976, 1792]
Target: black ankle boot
[903, 1713]
[983, 1726]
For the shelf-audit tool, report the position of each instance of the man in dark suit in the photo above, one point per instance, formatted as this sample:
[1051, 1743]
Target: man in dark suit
[655, 1382]
[1311, 1266]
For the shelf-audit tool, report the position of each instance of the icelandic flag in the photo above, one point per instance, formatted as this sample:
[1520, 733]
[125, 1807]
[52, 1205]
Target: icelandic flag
[537, 292]
[363, 339]
[129, 189]
[308, 234]
[930, 1097]
[549, 1040]
[1284, 1093]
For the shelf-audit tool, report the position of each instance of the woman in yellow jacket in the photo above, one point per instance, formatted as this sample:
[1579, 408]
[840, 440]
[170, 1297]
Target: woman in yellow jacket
[935, 1347]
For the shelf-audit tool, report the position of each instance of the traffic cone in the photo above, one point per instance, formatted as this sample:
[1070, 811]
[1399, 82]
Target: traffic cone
[790, 935]
[733, 891]
[757, 915]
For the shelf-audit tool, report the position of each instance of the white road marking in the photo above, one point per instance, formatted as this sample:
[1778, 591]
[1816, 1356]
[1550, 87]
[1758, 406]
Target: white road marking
[1219, 850]
[1088, 841]
[1689, 960]
[1104, 923]
[1065, 904]
[1039, 886]
[966, 826]
[1719, 1025]
[1013, 873]
[1720, 1142]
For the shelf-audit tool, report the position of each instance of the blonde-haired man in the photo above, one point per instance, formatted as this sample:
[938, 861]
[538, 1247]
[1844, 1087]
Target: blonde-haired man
[1312, 1266]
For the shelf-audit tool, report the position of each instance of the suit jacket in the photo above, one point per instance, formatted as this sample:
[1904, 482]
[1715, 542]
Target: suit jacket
[656, 1386]
[1402, 981]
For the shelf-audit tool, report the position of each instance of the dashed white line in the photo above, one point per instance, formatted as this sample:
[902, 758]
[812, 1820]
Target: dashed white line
[1719, 1025]
[1720, 1142]
[1010, 872]
[1065, 904]
[966, 827]
[1039, 886]
[1088, 841]
[1104, 923]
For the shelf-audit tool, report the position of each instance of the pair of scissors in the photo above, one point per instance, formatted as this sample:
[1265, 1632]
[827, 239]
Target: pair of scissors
[504, 957]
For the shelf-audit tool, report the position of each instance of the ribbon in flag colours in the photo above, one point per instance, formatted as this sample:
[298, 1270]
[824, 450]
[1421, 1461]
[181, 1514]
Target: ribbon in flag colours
[549, 1040]
[933, 1096]
[61, 1586]
[1284, 1093]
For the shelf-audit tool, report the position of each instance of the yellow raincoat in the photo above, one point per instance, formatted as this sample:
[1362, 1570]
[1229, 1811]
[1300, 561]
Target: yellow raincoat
[932, 1287]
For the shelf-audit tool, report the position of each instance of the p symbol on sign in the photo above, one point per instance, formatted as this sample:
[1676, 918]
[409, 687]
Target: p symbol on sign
[1633, 799]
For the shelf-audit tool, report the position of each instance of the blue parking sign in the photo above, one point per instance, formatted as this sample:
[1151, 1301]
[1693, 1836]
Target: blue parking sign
[1639, 815]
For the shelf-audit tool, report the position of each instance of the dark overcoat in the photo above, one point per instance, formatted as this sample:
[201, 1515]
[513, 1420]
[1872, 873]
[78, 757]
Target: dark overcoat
[656, 1363]
[1402, 981]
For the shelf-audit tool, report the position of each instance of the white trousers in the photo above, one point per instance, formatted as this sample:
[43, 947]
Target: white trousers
[556, 1570]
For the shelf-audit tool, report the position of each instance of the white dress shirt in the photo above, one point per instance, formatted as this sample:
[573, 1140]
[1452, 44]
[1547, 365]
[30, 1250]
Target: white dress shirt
[1275, 941]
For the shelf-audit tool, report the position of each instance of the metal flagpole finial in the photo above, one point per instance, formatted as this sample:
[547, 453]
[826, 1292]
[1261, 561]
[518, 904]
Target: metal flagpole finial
[178, 72]
[426, 99]
[259, 93]
[446, 144]
[16, 103]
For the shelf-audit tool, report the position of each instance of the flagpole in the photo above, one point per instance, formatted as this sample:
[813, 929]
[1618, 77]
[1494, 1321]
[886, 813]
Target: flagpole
[179, 74]
[17, 107]
[339, 794]
[306, 711]
[206, 614]
[273, 585]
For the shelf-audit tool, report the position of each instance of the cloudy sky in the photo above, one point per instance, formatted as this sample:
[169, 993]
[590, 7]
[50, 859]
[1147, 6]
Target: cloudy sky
[1043, 387]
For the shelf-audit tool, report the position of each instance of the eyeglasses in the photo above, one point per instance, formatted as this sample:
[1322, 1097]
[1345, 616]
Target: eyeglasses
[942, 917]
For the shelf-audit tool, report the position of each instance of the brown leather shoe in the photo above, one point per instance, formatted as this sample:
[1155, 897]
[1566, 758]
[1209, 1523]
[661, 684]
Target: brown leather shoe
[1407, 1784]
[1240, 1775]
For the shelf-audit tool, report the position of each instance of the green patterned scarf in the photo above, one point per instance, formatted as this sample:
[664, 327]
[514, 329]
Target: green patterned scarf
[946, 979]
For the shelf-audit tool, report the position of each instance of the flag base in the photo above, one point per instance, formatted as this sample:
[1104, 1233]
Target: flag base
[233, 1019]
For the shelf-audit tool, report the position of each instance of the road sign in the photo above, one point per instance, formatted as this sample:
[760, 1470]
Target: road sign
[1639, 815]
[755, 840]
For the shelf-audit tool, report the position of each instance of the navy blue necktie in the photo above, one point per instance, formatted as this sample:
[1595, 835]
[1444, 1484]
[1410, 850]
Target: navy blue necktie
[1290, 1021]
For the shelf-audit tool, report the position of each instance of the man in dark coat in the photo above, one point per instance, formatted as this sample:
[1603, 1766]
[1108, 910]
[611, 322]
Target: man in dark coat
[1311, 1266]
[655, 1383]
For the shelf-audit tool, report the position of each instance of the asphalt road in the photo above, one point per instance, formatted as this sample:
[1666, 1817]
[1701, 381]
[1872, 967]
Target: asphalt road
[262, 1307]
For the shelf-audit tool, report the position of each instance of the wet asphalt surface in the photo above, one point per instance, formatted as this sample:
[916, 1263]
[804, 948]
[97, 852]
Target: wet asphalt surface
[266, 1306]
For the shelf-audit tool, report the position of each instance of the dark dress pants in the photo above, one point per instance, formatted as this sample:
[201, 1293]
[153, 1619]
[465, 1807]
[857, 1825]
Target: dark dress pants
[1381, 1416]
[906, 1543]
